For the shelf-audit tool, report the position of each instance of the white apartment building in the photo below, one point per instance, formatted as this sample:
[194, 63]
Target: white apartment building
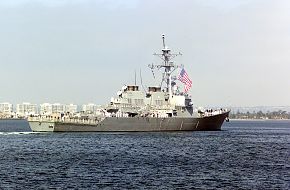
[89, 108]
[26, 109]
[6, 108]
[58, 108]
[71, 108]
[46, 109]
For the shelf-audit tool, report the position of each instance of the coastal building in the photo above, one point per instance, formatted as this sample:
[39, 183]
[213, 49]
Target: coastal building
[6, 108]
[58, 108]
[46, 109]
[89, 108]
[26, 109]
[71, 108]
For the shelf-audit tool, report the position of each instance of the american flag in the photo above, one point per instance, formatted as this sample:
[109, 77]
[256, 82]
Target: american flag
[183, 77]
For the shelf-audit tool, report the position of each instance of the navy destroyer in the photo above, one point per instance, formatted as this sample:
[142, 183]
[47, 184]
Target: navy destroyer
[159, 108]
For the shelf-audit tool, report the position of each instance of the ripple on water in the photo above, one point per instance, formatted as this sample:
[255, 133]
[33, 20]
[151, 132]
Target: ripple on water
[242, 156]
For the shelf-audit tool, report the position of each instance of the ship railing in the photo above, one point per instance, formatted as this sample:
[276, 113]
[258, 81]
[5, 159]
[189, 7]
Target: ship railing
[67, 120]
[40, 119]
[94, 121]
[211, 112]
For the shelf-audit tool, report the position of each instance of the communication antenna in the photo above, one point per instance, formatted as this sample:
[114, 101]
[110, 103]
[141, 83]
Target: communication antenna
[135, 77]
[152, 69]
[167, 65]
[142, 81]
[163, 40]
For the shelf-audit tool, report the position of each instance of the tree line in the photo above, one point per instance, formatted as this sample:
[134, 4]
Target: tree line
[280, 114]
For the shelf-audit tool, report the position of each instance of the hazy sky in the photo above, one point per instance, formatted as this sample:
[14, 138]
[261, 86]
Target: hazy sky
[78, 51]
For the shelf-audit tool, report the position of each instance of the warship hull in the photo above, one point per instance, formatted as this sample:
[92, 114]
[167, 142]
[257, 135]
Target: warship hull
[134, 124]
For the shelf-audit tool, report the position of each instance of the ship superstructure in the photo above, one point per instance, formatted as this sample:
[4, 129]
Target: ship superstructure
[167, 101]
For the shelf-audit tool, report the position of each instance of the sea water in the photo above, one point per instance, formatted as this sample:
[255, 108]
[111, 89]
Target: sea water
[244, 155]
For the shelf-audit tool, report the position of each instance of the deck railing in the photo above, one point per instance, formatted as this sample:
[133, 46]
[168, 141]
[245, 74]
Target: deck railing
[67, 120]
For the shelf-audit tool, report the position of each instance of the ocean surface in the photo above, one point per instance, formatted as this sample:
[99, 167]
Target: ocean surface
[244, 155]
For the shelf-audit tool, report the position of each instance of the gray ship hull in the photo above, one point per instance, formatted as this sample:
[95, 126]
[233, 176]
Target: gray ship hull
[135, 124]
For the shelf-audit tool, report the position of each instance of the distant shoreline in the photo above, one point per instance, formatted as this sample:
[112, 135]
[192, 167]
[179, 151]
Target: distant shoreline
[259, 119]
[229, 118]
[11, 119]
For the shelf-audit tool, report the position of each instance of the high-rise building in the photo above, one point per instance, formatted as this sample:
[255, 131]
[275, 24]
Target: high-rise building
[48, 109]
[71, 108]
[89, 108]
[45, 109]
[6, 108]
[58, 108]
[26, 109]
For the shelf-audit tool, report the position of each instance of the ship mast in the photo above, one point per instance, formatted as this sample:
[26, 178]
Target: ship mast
[167, 64]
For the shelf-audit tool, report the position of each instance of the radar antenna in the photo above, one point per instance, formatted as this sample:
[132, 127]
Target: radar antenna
[167, 64]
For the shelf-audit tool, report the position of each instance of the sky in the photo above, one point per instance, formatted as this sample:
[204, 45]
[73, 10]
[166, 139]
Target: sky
[237, 53]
